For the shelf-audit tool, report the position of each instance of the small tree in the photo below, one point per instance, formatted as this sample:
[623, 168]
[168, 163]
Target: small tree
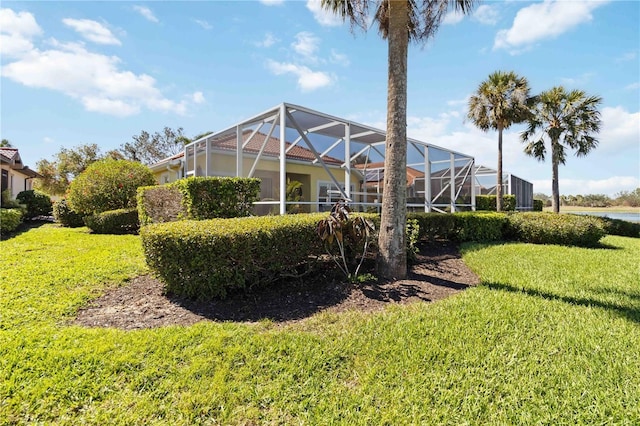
[499, 102]
[346, 238]
[562, 120]
[108, 185]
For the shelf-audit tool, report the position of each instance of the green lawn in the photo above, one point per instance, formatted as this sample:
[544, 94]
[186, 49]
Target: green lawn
[551, 337]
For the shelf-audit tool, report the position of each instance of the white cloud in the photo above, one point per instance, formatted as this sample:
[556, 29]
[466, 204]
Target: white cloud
[339, 58]
[147, 13]
[580, 80]
[307, 45]
[633, 86]
[456, 102]
[16, 32]
[544, 20]
[47, 139]
[324, 17]
[487, 15]
[629, 56]
[92, 30]
[620, 129]
[308, 80]
[198, 98]
[95, 80]
[203, 24]
[272, 2]
[453, 17]
[268, 40]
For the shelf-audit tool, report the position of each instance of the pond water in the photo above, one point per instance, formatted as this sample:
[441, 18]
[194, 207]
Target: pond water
[630, 217]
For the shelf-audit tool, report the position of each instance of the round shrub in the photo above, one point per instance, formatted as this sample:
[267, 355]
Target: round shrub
[37, 203]
[122, 221]
[9, 220]
[108, 185]
[551, 228]
[63, 214]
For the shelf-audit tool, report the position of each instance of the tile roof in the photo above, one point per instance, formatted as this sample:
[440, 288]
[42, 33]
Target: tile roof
[9, 153]
[272, 148]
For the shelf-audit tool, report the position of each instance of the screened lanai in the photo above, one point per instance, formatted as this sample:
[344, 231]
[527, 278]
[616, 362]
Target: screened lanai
[307, 160]
[486, 184]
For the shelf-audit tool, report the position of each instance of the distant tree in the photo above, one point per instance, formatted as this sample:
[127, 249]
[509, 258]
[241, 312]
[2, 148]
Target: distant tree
[499, 102]
[626, 198]
[66, 165]
[201, 135]
[150, 148]
[5, 144]
[563, 120]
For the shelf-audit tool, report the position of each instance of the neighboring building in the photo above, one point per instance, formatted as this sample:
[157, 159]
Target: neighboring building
[16, 177]
[331, 157]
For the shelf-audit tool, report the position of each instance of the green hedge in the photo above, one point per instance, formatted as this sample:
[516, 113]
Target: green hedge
[66, 217]
[9, 220]
[466, 226]
[206, 259]
[121, 221]
[198, 198]
[550, 228]
[619, 227]
[488, 203]
[158, 204]
[37, 203]
[538, 205]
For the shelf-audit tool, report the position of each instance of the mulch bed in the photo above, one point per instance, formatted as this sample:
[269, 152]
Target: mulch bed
[438, 273]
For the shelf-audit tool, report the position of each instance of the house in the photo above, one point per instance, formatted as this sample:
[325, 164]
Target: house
[331, 157]
[16, 177]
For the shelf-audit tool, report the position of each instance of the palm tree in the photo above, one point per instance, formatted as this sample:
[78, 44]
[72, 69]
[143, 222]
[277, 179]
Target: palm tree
[499, 102]
[399, 21]
[565, 120]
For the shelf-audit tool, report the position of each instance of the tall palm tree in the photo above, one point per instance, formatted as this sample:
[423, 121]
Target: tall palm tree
[499, 102]
[565, 120]
[399, 21]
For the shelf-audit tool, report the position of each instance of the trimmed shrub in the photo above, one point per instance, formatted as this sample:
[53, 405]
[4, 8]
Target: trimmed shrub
[488, 202]
[66, 217]
[550, 228]
[538, 205]
[206, 259]
[108, 185]
[157, 204]
[471, 226]
[198, 198]
[6, 201]
[619, 227]
[464, 226]
[9, 220]
[37, 203]
[218, 197]
[432, 226]
[121, 221]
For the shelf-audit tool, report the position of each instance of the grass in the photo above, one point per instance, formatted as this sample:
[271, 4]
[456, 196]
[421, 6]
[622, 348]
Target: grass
[551, 337]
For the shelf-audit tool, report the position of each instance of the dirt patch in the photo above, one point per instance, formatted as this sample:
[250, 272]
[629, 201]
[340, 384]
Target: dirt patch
[438, 273]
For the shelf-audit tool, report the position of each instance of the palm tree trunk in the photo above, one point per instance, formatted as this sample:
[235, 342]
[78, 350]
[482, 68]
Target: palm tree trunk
[555, 187]
[392, 256]
[499, 178]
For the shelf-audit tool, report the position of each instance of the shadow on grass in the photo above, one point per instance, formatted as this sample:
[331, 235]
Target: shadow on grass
[25, 226]
[631, 313]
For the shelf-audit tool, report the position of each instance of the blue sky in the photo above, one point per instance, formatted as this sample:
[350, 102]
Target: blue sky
[100, 72]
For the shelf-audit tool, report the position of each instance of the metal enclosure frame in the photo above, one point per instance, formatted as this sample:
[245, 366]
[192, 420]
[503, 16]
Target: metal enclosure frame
[444, 179]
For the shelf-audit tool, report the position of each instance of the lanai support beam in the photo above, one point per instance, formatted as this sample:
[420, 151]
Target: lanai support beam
[283, 159]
